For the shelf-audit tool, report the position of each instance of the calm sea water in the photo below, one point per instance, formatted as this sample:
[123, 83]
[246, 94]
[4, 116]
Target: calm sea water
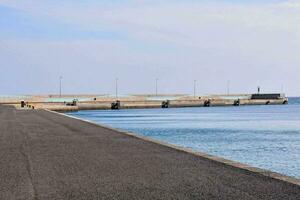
[262, 136]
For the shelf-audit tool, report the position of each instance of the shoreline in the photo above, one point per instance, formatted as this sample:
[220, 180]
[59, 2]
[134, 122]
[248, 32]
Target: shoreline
[227, 162]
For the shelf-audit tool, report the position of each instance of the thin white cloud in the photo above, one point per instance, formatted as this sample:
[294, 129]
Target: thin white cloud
[291, 4]
[178, 18]
[181, 22]
[208, 41]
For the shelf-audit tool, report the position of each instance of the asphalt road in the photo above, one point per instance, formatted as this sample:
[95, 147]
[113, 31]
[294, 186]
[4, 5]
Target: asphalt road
[48, 156]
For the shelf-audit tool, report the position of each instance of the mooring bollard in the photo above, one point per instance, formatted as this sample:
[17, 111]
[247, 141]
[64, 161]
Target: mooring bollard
[23, 104]
[165, 104]
[116, 105]
[207, 103]
[237, 102]
[75, 101]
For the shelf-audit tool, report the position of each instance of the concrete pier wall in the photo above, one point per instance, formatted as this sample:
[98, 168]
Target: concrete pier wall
[185, 103]
[263, 101]
[139, 104]
[222, 102]
[94, 106]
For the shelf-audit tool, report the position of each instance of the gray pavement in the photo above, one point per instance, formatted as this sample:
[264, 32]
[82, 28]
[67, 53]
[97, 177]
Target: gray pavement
[48, 156]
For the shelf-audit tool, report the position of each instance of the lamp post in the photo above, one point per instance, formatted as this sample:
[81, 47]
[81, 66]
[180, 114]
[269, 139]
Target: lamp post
[60, 83]
[195, 82]
[228, 87]
[117, 88]
[156, 83]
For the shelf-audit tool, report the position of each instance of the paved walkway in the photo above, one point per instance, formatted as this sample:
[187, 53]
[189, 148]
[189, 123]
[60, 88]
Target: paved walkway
[48, 156]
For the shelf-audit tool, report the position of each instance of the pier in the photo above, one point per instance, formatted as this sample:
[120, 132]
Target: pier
[46, 155]
[142, 102]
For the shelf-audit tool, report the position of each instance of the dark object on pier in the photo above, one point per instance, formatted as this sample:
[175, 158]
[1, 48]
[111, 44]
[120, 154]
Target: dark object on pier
[23, 104]
[95, 99]
[268, 96]
[165, 104]
[74, 103]
[207, 103]
[268, 102]
[285, 102]
[116, 105]
[237, 102]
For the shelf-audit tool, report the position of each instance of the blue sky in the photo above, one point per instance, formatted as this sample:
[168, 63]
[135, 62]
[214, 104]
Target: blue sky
[90, 43]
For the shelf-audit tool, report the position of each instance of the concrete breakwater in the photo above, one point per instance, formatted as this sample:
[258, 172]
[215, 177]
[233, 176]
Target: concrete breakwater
[102, 104]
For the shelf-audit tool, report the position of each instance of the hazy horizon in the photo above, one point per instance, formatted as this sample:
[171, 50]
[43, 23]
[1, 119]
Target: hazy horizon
[91, 43]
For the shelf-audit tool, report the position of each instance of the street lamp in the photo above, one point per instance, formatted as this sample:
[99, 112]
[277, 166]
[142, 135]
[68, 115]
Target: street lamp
[156, 83]
[195, 82]
[117, 87]
[228, 87]
[60, 83]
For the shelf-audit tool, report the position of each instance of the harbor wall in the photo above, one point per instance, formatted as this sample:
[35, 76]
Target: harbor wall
[138, 103]
[153, 104]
